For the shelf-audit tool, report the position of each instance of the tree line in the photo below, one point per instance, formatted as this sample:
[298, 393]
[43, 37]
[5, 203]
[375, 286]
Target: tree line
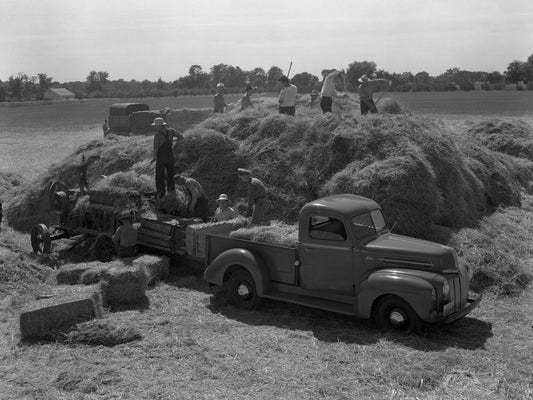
[97, 84]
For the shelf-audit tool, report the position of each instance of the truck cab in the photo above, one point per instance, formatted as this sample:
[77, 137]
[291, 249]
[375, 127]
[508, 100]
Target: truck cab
[346, 261]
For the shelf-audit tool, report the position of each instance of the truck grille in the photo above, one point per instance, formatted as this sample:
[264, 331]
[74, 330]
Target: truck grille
[458, 291]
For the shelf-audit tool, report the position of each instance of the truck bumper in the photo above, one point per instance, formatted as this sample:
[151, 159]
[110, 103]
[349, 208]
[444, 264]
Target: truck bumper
[471, 304]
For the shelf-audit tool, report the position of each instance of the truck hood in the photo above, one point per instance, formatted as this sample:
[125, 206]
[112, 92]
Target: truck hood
[392, 250]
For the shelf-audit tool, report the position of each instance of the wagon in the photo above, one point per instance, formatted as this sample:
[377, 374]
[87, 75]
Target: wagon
[120, 116]
[99, 218]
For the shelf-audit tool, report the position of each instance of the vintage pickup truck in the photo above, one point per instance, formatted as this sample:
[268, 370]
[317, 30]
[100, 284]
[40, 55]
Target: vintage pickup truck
[346, 261]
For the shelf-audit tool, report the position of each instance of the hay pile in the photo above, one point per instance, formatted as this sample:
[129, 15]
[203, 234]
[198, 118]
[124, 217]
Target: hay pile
[277, 233]
[390, 106]
[185, 118]
[100, 333]
[196, 234]
[9, 181]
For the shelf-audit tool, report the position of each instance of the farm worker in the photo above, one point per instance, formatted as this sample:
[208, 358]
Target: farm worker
[366, 90]
[256, 196]
[125, 237]
[246, 101]
[82, 172]
[105, 127]
[163, 157]
[224, 212]
[218, 101]
[287, 97]
[328, 89]
[197, 203]
[313, 96]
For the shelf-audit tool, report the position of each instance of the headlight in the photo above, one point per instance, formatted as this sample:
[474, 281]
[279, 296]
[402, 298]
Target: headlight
[445, 292]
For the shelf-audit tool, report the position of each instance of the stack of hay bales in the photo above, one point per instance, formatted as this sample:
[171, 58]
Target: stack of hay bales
[196, 234]
[64, 306]
[155, 268]
[277, 233]
[185, 118]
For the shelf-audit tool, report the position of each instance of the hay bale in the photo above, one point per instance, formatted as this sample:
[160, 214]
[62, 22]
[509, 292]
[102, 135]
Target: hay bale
[93, 275]
[124, 287]
[196, 234]
[62, 307]
[156, 268]
[72, 274]
[277, 233]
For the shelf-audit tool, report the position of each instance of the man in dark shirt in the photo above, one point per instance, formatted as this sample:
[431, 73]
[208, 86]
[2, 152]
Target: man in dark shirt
[163, 157]
[256, 196]
[366, 91]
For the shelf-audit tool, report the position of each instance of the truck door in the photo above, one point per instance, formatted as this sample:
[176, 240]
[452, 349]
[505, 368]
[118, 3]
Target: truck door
[326, 257]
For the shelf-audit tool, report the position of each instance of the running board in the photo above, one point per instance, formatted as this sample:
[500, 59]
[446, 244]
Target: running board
[322, 304]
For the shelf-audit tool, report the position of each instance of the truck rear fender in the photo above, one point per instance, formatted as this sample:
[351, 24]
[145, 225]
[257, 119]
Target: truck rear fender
[239, 258]
[415, 288]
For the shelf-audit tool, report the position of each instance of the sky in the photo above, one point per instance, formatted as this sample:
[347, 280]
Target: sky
[137, 39]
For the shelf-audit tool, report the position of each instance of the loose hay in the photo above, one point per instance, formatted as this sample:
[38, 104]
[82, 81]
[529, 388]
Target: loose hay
[196, 234]
[101, 333]
[278, 233]
[62, 307]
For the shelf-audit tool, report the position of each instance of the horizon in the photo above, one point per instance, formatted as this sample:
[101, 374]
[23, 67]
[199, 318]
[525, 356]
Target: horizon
[132, 41]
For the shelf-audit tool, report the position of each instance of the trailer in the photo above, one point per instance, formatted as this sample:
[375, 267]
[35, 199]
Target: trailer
[120, 116]
[99, 219]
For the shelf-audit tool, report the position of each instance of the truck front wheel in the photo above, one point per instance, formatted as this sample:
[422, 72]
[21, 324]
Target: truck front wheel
[241, 291]
[395, 314]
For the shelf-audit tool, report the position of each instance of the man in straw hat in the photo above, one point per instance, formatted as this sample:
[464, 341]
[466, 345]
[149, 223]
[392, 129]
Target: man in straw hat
[197, 203]
[287, 97]
[328, 91]
[224, 212]
[219, 103]
[125, 237]
[163, 157]
[366, 90]
[256, 196]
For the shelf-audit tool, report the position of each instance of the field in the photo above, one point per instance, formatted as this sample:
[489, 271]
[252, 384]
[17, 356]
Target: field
[195, 346]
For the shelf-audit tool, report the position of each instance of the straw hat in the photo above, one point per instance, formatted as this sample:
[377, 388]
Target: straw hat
[159, 122]
[243, 171]
[223, 197]
[220, 85]
[363, 78]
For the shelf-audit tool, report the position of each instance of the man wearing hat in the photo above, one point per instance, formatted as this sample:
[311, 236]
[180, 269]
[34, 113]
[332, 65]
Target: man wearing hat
[218, 101]
[197, 203]
[328, 89]
[366, 91]
[125, 237]
[287, 97]
[163, 157]
[256, 196]
[224, 212]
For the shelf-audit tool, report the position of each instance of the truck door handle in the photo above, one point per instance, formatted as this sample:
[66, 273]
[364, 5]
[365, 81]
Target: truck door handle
[308, 249]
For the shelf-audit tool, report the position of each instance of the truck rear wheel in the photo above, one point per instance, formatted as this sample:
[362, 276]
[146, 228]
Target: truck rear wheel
[395, 314]
[241, 291]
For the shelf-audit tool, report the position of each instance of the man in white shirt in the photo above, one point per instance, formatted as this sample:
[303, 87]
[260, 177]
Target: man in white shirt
[328, 89]
[287, 97]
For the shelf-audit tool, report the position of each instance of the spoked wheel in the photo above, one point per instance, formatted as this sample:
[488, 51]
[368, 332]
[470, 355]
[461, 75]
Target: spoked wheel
[395, 314]
[40, 239]
[104, 248]
[241, 291]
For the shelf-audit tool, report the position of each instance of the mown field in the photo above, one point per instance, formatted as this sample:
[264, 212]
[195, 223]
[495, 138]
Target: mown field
[192, 345]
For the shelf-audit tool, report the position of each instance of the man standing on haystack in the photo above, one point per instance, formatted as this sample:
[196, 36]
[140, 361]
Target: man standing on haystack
[256, 196]
[163, 157]
[328, 89]
[246, 101]
[366, 91]
[287, 97]
[219, 104]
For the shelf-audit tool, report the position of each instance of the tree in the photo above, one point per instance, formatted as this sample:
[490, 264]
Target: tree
[305, 82]
[15, 86]
[96, 81]
[218, 73]
[356, 70]
[515, 72]
[273, 74]
[45, 82]
[257, 77]
[422, 81]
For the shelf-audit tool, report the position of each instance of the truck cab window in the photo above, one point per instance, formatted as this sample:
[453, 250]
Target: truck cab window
[363, 226]
[326, 228]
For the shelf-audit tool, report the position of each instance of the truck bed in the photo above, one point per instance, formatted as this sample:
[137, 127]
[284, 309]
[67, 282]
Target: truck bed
[281, 260]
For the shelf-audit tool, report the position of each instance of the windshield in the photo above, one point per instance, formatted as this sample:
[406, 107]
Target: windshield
[368, 224]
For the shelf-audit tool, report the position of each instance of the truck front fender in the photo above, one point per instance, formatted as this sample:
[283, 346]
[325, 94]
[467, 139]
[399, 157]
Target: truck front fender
[237, 257]
[414, 287]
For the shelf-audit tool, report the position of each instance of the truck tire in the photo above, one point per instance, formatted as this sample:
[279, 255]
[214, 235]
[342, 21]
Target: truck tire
[241, 291]
[395, 314]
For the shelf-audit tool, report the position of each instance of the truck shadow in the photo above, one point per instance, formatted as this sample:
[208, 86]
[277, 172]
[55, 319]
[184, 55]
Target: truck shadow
[467, 333]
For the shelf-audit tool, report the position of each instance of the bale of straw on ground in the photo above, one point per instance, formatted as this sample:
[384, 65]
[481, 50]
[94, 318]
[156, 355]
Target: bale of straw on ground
[124, 287]
[277, 233]
[196, 234]
[156, 268]
[71, 274]
[62, 307]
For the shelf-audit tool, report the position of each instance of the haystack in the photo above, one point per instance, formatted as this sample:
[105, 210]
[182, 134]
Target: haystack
[156, 268]
[196, 234]
[277, 233]
[124, 287]
[63, 306]
[185, 118]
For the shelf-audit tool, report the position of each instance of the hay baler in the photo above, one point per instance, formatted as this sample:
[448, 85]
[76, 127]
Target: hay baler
[98, 217]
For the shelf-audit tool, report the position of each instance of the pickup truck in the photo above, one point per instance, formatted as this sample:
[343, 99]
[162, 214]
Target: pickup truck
[346, 261]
